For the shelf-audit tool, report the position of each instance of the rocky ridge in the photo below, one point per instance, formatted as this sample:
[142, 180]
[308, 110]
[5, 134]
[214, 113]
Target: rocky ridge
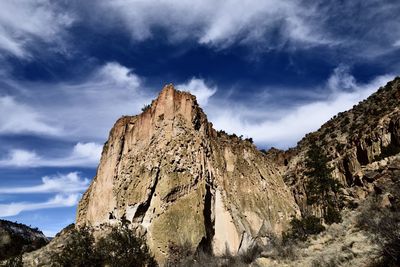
[356, 142]
[177, 180]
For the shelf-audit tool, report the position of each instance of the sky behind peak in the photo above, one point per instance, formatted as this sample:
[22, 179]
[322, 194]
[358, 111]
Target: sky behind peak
[271, 70]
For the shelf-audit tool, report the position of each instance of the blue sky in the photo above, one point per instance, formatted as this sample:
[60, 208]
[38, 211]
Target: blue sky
[271, 70]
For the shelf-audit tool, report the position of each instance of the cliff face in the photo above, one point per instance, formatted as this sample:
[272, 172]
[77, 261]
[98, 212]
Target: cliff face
[176, 179]
[359, 142]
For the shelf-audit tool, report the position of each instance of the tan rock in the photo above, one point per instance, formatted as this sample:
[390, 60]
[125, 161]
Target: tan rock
[174, 177]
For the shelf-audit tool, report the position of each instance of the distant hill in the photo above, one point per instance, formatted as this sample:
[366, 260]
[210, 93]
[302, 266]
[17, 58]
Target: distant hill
[17, 238]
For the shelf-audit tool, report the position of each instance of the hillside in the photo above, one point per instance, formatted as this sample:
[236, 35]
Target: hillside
[16, 238]
[363, 138]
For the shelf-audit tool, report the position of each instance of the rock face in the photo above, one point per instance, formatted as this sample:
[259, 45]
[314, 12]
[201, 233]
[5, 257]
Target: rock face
[16, 238]
[357, 141]
[176, 179]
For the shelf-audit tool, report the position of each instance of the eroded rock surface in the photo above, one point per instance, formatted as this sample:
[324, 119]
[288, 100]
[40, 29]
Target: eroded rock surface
[357, 140]
[176, 179]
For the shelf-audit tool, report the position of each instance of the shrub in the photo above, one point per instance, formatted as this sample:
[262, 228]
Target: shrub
[122, 248]
[182, 256]
[118, 248]
[179, 254]
[250, 140]
[146, 107]
[388, 151]
[14, 262]
[79, 250]
[332, 215]
[302, 228]
[383, 225]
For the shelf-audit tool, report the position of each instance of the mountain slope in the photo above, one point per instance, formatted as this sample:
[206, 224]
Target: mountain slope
[356, 142]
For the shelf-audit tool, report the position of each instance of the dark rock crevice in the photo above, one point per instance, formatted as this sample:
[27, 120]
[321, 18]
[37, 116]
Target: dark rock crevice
[362, 155]
[205, 244]
[347, 172]
[144, 206]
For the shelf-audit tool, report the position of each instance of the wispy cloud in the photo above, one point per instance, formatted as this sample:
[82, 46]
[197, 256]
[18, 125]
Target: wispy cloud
[216, 23]
[18, 117]
[82, 155]
[59, 183]
[75, 110]
[25, 23]
[81, 110]
[340, 93]
[263, 25]
[89, 108]
[58, 201]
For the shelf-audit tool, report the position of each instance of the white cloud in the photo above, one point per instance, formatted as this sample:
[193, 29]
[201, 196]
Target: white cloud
[83, 110]
[82, 155]
[87, 110]
[198, 88]
[17, 117]
[23, 22]
[262, 25]
[293, 122]
[113, 73]
[20, 158]
[60, 183]
[216, 22]
[58, 201]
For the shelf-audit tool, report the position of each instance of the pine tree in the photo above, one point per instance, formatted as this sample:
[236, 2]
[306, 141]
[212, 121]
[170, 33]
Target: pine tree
[321, 188]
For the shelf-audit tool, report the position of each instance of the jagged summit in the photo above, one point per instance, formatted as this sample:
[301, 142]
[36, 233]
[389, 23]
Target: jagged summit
[177, 180]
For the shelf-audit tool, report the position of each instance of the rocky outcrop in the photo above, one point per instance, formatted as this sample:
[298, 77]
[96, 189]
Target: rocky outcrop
[177, 180]
[16, 238]
[365, 136]
[349, 243]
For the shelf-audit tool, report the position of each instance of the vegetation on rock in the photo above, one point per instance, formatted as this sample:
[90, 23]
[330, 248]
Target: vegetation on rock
[120, 247]
[182, 256]
[383, 224]
[302, 228]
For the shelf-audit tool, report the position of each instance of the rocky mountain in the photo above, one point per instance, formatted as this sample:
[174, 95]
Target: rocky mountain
[16, 238]
[358, 143]
[177, 180]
